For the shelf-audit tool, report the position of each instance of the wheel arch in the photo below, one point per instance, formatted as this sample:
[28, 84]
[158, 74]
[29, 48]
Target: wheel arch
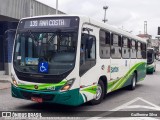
[104, 80]
[136, 73]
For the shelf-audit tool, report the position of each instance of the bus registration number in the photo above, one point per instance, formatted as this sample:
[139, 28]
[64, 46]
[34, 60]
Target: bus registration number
[39, 100]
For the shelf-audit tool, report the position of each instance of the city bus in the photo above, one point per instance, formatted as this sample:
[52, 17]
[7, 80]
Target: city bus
[72, 60]
[151, 62]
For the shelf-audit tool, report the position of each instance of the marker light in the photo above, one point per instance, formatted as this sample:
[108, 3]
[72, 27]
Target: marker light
[68, 85]
[14, 81]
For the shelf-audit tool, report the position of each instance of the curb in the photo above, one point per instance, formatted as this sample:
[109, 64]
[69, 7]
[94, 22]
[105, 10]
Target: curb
[5, 86]
[5, 78]
[4, 81]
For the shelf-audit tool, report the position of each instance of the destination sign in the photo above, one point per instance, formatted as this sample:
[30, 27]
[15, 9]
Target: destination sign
[47, 23]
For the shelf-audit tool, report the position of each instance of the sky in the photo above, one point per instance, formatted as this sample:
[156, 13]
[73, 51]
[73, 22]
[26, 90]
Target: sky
[128, 15]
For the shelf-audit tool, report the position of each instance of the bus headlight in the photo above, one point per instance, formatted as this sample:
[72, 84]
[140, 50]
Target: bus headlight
[68, 85]
[14, 80]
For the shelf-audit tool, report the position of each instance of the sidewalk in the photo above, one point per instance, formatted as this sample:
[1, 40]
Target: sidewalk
[5, 82]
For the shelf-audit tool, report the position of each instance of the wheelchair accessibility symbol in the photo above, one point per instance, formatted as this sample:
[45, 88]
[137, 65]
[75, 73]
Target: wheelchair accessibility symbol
[43, 67]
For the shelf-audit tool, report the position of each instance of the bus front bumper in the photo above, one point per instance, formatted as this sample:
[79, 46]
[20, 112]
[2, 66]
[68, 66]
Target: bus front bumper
[71, 97]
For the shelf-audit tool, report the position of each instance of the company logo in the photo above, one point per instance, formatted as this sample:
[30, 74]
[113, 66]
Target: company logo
[21, 115]
[36, 86]
[114, 69]
[6, 114]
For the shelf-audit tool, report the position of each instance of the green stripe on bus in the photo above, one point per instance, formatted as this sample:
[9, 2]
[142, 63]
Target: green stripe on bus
[42, 86]
[91, 89]
[123, 80]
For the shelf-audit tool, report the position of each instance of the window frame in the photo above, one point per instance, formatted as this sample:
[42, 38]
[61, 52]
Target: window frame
[105, 45]
[144, 49]
[135, 48]
[91, 66]
[139, 48]
[119, 44]
[128, 46]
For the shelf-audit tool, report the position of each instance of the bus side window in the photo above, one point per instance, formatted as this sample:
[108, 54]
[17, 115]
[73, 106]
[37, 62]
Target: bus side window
[139, 50]
[144, 51]
[104, 47]
[133, 49]
[125, 48]
[116, 46]
[87, 53]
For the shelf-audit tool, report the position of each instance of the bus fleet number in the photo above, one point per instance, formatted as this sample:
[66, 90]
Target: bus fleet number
[33, 23]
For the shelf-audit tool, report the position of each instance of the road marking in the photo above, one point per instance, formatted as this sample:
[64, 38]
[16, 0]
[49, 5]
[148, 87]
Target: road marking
[126, 118]
[141, 106]
[129, 106]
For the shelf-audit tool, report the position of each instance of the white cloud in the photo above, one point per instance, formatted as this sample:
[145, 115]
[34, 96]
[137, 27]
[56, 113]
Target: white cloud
[129, 14]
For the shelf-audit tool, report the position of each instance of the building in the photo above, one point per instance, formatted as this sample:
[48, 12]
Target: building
[153, 43]
[147, 37]
[11, 11]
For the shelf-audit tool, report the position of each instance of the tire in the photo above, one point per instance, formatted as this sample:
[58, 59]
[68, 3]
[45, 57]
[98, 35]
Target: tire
[133, 82]
[100, 93]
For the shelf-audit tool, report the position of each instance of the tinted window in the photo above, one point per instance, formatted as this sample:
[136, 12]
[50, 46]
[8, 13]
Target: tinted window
[87, 53]
[139, 50]
[125, 48]
[104, 50]
[133, 49]
[115, 46]
[143, 50]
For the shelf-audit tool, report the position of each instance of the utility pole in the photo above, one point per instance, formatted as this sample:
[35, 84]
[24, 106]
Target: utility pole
[105, 9]
[56, 6]
[145, 27]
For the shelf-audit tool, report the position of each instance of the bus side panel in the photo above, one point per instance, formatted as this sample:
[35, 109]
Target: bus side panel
[141, 71]
[126, 79]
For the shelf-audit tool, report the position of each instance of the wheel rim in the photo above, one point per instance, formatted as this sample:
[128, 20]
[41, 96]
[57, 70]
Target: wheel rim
[134, 82]
[98, 92]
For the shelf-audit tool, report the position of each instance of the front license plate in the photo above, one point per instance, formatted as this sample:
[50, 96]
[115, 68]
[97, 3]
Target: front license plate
[39, 100]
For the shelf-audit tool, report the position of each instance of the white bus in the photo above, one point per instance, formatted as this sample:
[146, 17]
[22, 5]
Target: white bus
[151, 61]
[74, 59]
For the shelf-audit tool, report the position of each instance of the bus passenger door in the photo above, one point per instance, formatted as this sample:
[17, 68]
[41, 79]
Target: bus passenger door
[88, 70]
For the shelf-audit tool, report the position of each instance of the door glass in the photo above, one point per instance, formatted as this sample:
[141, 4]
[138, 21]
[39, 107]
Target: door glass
[87, 53]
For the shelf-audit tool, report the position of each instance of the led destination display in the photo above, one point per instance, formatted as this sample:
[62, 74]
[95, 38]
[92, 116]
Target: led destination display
[45, 23]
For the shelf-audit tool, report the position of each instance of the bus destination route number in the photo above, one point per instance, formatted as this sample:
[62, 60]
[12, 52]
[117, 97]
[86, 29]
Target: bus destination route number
[45, 23]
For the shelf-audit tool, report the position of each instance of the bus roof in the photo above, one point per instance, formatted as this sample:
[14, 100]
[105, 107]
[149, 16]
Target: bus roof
[96, 23]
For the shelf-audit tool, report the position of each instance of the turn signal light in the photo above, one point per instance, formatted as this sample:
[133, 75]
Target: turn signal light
[68, 85]
[14, 81]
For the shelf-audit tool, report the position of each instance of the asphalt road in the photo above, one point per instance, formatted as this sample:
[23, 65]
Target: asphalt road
[146, 92]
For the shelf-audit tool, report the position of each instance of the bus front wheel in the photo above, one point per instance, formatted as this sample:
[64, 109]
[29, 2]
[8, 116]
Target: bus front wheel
[99, 93]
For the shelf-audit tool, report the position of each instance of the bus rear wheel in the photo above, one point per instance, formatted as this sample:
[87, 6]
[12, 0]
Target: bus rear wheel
[99, 93]
[133, 82]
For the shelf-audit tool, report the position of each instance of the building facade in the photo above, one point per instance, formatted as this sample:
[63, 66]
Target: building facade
[11, 11]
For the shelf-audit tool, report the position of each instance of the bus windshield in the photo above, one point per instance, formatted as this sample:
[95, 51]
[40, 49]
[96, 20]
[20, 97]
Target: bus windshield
[56, 49]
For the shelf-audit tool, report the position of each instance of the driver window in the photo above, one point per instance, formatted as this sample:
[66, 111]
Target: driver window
[87, 53]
